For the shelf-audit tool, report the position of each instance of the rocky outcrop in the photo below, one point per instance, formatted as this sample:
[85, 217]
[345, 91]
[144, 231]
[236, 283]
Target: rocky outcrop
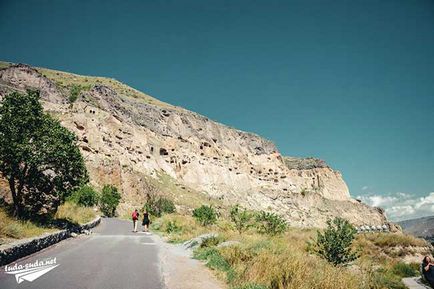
[126, 136]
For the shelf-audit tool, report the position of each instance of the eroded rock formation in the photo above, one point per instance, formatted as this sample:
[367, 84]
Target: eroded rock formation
[126, 135]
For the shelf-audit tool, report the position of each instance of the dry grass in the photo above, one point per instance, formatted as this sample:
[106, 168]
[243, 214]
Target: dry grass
[66, 80]
[11, 229]
[274, 263]
[394, 239]
[385, 248]
[75, 214]
[283, 262]
[184, 197]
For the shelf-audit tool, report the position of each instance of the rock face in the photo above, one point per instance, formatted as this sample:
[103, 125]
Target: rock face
[126, 135]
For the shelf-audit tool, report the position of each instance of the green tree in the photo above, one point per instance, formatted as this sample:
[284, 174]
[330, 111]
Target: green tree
[205, 215]
[334, 244]
[241, 218]
[110, 198]
[38, 157]
[157, 205]
[85, 196]
[270, 223]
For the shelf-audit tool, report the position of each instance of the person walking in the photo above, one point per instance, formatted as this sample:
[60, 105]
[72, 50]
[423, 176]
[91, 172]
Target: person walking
[146, 221]
[135, 217]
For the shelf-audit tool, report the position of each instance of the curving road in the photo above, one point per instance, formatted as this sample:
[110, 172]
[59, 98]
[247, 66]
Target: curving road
[111, 258]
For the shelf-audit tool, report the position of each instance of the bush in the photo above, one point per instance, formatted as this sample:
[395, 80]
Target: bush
[242, 218]
[270, 223]
[405, 270]
[157, 206]
[74, 93]
[86, 196]
[173, 227]
[210, 242]
[205, 215]
[334, 245]
[110, 198]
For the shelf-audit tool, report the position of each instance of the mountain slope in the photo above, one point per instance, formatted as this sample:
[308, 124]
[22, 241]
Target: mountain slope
[127, 137]
[420, 227]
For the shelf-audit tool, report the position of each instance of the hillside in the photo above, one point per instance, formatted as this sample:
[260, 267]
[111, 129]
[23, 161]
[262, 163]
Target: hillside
[420, 227]
[128, 138]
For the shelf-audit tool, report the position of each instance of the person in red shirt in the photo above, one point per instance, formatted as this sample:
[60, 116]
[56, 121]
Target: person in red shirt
[135, 217]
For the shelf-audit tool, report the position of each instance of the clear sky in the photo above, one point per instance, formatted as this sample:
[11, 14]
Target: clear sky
[350, 82]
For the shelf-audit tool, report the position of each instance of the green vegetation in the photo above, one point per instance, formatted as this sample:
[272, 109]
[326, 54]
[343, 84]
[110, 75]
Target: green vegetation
[158, 205]
[75, 214]
[109, 201]
[205, 215]
[173, 227]
[283, 260]
[75, 90]
[12, 229]
[270, 223]
[211, 242]
[38, 157]
[216, 261]
[334, 244]
[242, 218]
[85, 196]
[406, 270]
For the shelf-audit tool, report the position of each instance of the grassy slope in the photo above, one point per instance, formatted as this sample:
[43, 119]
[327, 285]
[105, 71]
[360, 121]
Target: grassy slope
[12, 229]
[283, 261]
[65, 80]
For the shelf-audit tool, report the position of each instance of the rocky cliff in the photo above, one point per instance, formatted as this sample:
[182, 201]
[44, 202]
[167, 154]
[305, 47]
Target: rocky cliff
[127, 136]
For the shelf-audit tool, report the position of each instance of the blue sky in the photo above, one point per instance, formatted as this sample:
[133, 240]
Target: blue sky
[351, 82]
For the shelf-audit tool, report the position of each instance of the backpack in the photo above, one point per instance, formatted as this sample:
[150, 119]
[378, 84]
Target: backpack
[135, 215]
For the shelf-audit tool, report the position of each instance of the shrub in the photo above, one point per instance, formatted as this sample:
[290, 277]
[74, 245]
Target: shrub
[210, 242]
[270, 223]
[205, 215]
[85, 196]
[241, 217]
[157, 206]
[110, 198]
[334, 244]
[173, 227]
[405, 270]
[74, 93]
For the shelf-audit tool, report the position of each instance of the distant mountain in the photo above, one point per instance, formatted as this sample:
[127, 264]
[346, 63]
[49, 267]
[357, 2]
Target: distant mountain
[420, 227]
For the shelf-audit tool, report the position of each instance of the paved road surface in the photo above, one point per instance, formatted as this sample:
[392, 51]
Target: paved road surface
[111, 258]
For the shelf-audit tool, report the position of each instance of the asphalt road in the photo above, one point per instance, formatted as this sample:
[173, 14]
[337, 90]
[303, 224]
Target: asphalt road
[111, 258]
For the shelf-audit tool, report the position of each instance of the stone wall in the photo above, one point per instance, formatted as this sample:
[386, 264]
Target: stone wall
[21, 248]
